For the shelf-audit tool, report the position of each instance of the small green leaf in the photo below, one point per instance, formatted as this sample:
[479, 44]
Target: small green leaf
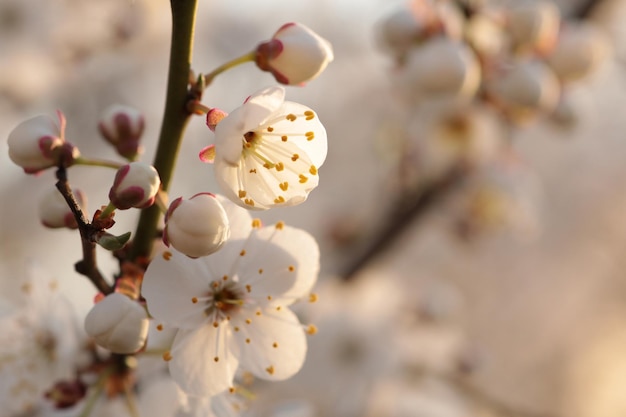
[111, 242]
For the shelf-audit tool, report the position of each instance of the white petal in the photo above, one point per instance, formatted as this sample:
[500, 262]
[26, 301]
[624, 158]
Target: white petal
[277, 344]
[303, 249]
[170, 285]
[230, 130]
[239, 220]
[268, 271]
[193, 365]
[306, 120]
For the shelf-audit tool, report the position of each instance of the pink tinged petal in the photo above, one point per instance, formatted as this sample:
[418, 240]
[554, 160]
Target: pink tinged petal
[193, 363]
[306, 120]
[170, 285]
[207, 155]
[305, 254]
[272, 346]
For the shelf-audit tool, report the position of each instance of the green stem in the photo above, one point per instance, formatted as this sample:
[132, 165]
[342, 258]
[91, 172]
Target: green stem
[175, 118]
[106, 212]
[96, 391]
[98, 163]
[249, 57]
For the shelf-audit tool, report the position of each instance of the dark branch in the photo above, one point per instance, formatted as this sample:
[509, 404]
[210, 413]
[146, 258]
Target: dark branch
[87, 266]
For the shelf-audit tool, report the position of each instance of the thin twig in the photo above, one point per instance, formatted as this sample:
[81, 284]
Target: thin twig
[87, 266]
[416, 205]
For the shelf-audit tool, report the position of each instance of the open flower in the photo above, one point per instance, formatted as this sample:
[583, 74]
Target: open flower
[231, 308]
[268, 151]
[294, 55]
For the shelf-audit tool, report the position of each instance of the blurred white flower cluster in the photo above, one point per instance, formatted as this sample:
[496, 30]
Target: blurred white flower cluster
[468, 74]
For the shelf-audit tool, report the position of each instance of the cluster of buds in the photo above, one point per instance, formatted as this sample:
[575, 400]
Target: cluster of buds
[469, 73]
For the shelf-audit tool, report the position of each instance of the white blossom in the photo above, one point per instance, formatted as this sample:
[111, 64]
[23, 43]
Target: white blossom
[268, 151]
[54, 211]
[231, 308]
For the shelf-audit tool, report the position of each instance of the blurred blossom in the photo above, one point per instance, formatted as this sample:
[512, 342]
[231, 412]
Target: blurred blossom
[54, 211]
[39, 345]
[533, 25]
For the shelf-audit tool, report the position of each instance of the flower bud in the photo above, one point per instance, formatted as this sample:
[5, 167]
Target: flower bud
[440, 67]
[581, 47]
[118, 323]
[294, 55]
[135, 185]
[534, 25]
[38, 143]
[122, 126]
[400, 31]
[526, 88]
[54, 211]
[196, 227]
[213, 117]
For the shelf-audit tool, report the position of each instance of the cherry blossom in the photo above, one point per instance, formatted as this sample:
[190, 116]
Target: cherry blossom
[231, 308]
[268, 151]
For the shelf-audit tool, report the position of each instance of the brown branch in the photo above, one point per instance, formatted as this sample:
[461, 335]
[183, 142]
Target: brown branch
[88, 233]
[411, 208]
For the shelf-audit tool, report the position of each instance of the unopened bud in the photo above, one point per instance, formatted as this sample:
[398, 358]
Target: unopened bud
[118, 324]
[196, 227]
[534, 25]
[38, 143]
[580, 49]
[135, 185]
[294, 55]
[54, 211]
[122, 126]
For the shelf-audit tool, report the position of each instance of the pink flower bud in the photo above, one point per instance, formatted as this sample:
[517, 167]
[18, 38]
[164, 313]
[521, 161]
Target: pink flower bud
[54, 211]
[38, 143]
[122, 126]
[118, 324]
[135, 185]
[294, 55]
[196, 227]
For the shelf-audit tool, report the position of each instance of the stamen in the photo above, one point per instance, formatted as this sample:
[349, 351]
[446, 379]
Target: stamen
[167, 356]
[312, 298]
[159, 327]
[311, 329]
[270, 370]
[167, 255]
[280, 225]
[284, 185]
[309, 115]
[303, 179]
[291, 117]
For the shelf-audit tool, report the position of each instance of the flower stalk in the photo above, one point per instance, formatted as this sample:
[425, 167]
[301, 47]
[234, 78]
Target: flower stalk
[175, 118]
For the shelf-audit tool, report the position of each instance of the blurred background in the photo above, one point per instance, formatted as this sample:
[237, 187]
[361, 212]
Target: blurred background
[473, 282]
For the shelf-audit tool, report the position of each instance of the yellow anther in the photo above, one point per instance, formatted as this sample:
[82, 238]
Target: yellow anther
[247, 145]
[270, 370]
[291, 117]
[280, 225]
[256, 223]
[248, 288]
[279, 199]
[312, 298]
[236, 328]
[303, 178]
[194, 300]
[242, 253]
[225, 278]
[291, 268]
[270, 129]
[310, 135]
[248, 340]
[231, 390]
[311, 329]
[253, 171]
[309, 115]
[280, 166]
[167, 255]
[313, 170]
[216, 324]
[284, 185]
[260, 270]
[249, 202]
[269, 298]
[159, 327]
[242, 193]
[167, 356]
[258, 313]
[268, 165]
[274, 345]
[216, 359]
[215, 284]
[278, 308]
[248, 321]
[283, 138]
[295, 157]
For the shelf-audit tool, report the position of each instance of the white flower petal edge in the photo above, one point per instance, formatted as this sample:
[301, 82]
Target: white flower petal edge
[268, 152]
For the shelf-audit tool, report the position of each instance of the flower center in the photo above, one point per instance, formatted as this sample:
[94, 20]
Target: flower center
[224, 300]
